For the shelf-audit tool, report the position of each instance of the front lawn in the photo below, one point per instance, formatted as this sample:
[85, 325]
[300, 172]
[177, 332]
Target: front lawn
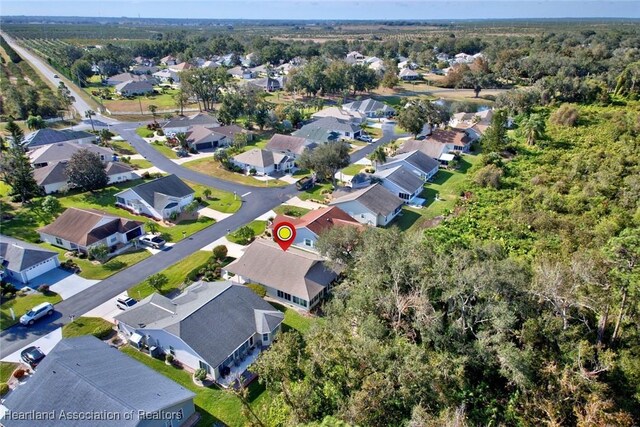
[257, 226]
[141, 163]
[95, 326]
[164, 150]
[212, 167]
[214, 404]
[122, 148]
[21, 305]
[289, 210]
[317, 193]
[143, 132]
[220, 200]
[352, 170]
[176, 275]
[6, 369]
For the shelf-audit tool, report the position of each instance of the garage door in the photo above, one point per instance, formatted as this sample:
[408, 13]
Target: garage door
[48, 265]
[204, 145]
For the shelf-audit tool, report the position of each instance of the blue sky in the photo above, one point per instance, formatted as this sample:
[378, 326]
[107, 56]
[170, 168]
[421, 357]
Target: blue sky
[326, 9]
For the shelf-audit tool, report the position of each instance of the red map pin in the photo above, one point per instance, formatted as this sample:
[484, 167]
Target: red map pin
[284, 233]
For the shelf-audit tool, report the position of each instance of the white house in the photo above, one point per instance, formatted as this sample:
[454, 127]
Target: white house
[264, 162]
[182, 124]
[130, 88]
[402, 182]
[53, 178]
[23, 262]
[81, 229]
[167, 76]
[416, 161]
[373, 205]
[219, 327]
[292, 146]
[159, 199]
[49, 136]
[370, 108]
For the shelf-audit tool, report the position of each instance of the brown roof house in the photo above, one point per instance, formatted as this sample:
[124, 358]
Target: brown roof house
[311, 225]
[292, 146]
[81, 229]
[295, 276]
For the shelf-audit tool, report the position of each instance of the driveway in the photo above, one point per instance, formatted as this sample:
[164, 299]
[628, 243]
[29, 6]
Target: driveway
[62, 282]
[46, 344]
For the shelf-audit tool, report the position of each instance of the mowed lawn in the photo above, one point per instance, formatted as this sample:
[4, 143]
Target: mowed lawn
[21, 305]
[212, 167]
[257, 226]
[164, 102]
[164, 150]
[219, 200]
[447, 184]
[175, 273]
[86, 326]
[6, 369]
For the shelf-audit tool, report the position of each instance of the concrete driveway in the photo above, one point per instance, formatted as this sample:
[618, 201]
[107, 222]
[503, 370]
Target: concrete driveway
[46, 343]
[62, 282]
[108, 309]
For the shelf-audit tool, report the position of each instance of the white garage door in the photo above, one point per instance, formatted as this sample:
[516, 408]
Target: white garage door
[50, 264]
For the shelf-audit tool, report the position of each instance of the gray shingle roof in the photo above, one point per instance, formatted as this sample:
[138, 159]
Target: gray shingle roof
[260, 158]
[432, 149]
[293, 271]
[214, 319]
[367, 106]
[54, 173]
[333, 124]
[51, 136]
[402, 177]
[375, 198]
[416, 158]
[64, 151]
[289, 144]
[152, 192]
[84, 374]
[196, 119]
[134, 87]
[19, 257]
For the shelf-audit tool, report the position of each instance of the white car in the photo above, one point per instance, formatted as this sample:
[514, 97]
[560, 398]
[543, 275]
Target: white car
[365, 138]
[155, 242]
[37, 312]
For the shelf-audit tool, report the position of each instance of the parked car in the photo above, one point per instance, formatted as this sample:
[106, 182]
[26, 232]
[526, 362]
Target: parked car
[156, 242]
[365, 138]
[55, 76]
[32, 356]
[37, 312]
[305, 183]
[124, 303]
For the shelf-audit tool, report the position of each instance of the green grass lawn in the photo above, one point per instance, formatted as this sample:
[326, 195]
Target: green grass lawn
[176, 274]
[6, 369]
[211, 167]
[21, 305]
[257, 226]
[222, 201]
[143, 132]
[86, 326]
[447, 184]
[164, 150]
[291, 211]
[315, 193]
[213, 403]
[123, 148]
[373, 132]
[293, 319]
[141, 163]
[352, 169]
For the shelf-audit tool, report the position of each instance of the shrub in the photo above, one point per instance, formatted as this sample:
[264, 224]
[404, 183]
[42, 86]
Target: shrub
[253, 171]
[200, 374]
[489, 176]
[160, 132]
[566, 115]
[244, 235]
[220, 252]
[168, 358]
[102, 332]
[260, 290]
[43, 289]
[7, 288]
[19, 373]
[4, 389]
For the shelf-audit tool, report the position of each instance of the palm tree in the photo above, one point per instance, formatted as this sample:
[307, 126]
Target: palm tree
[378, 156]
[532, 128]
[182, 140]
[89, 115]
[153, 108]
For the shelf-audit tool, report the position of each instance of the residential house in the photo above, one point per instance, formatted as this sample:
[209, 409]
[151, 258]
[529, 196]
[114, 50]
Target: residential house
[168, 60]
[473, 124]
[49, 136]
[81, 229]
[84, 381]
[292, 146]
[202, 137]
[210, 64]
[214, 326]
[181, 124]
[407, 74]
[230, 131]
[416, 161]
[452, 139]
[442, 57]
[370, 108]
[129, 77]
[312, 224]
[328, 129]
[354, 57]
[241, 72]
[294, 276]
[377, 66]
[261, 70]
[167, 76]
[269, 84]
[140, 60]
[53, 153]
[23, 262]
[144, 69]
[340, 113]
[373, 205]
[407, 64]
[132, 88]
[433, 149]
[401, 181]
[53, 177]
[159, 199]
[178, 68]
[463, 58]
[263, 162]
